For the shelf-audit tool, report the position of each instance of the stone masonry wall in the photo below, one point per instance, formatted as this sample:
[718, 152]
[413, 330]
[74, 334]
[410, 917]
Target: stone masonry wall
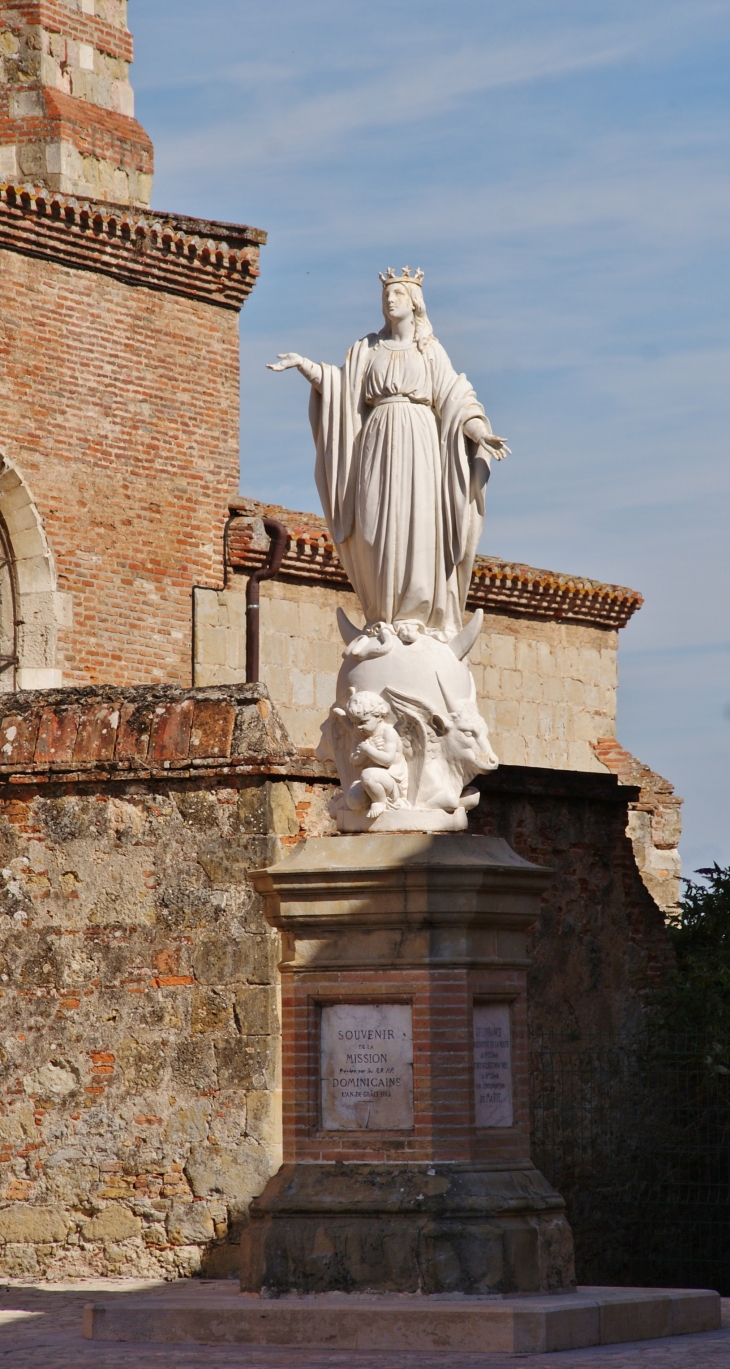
[139, 1051]
[139, 1104]
[66, 103]
[547, 689]
[655, 823]
[119, 408]
[600, 945]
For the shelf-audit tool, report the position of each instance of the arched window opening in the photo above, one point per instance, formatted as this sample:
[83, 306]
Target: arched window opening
[8, 615]
[30, 605]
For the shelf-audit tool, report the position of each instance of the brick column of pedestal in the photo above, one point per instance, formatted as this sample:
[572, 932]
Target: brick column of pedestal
[437, 923]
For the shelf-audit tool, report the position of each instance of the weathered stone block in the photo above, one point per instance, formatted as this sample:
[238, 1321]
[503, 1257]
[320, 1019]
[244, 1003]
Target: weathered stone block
[229, 862]
[210, 1012]
[113, 1223]
[223, 962]
[302, 687]
[188, 1124]
[237, 1173]
[527, 724]
[189, 1224]
[256, 1010]
[325, 687]
[142, 1063]
[193, 1064]
[20, 1261]
[508, 715]
[22, 1223]
[245, 1063]
[501, 650]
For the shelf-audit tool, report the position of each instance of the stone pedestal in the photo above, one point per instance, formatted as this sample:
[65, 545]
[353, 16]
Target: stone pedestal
[405, 1088]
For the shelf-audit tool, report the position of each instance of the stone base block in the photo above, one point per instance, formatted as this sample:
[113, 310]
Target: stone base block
[403, 820]
[409, 1228]
[558, 1321]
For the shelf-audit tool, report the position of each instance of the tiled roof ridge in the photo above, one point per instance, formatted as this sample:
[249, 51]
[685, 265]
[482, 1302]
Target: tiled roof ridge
[507, 586]
[198, 258]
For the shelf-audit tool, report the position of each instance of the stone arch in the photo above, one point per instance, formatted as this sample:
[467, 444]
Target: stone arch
[30, 606]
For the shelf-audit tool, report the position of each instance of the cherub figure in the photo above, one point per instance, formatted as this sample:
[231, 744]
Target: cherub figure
[378, 754]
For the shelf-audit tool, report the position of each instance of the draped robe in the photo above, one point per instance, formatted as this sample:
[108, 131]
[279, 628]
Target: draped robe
[402, 489]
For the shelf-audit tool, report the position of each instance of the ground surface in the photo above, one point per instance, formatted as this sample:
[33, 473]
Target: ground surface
[40, 1328]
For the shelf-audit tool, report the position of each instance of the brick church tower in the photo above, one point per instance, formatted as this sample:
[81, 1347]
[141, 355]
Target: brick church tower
[66, 104]
[119, 368]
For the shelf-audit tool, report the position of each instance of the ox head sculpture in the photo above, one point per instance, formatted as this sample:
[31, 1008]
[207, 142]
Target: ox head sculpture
[465, 737]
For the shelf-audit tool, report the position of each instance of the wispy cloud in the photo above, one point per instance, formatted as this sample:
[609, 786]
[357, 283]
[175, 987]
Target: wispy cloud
[560, 170]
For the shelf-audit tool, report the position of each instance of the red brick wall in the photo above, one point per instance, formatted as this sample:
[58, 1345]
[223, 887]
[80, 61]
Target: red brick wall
[119, 405]
[443, 1075]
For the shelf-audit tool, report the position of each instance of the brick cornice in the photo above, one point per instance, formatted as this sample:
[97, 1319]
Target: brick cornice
[496, 585]
[216, 263]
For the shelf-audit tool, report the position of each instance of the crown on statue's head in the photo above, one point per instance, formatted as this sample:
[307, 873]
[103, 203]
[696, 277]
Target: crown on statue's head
[405, 278]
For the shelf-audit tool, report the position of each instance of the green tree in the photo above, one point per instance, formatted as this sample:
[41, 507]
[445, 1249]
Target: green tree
[696, 997]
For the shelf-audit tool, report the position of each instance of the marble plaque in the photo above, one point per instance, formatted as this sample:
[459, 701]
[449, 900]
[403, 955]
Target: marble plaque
[367, 1067]
[492, 1065]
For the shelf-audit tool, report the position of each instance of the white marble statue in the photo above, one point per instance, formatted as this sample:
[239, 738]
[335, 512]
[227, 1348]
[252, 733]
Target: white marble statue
[403, 455]
[377, 754]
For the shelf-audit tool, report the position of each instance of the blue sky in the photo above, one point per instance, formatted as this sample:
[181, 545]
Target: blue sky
[560, 171]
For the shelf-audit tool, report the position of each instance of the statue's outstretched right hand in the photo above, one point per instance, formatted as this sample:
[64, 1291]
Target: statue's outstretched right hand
[285, 362]
[311, 370]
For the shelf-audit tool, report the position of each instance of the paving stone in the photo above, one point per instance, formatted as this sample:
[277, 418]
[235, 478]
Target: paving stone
[50, 1338]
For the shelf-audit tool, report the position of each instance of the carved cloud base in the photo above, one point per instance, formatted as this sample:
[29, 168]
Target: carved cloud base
[405, 730]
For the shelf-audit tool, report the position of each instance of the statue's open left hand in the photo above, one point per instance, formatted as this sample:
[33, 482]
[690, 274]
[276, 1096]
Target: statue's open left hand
[496, 446]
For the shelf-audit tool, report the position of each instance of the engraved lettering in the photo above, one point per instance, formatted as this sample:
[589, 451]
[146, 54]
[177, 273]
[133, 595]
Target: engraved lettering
[492, 1065]
[367, 1089]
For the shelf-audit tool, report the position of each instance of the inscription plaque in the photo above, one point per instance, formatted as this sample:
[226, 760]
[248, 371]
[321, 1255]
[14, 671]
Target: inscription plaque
[492, 1065]
[367, 1067]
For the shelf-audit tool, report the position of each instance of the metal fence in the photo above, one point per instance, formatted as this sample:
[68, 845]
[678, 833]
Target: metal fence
[635, 1135]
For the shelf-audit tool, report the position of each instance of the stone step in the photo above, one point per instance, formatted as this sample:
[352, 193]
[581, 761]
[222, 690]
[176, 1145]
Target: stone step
[341, 1321]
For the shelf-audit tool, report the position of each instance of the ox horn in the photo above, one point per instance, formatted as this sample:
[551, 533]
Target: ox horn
[348, 631]
[463, 642]
[451, 704]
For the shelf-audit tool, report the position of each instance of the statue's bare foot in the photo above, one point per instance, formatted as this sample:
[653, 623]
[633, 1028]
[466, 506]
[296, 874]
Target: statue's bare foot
[376, 809]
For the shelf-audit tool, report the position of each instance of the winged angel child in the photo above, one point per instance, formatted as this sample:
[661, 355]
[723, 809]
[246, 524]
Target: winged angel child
[403, 450]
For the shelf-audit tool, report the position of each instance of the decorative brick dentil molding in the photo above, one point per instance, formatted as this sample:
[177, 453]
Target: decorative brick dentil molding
[504, 586]
[217, 263]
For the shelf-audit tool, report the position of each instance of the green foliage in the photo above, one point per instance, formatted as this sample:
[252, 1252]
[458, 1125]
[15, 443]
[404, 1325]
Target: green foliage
[696, 997]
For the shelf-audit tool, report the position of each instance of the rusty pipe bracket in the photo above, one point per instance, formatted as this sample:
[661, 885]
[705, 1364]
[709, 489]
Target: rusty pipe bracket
[277, 546]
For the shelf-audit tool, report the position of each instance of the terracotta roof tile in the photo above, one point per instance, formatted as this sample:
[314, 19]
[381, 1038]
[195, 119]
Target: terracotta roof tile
[501, 586]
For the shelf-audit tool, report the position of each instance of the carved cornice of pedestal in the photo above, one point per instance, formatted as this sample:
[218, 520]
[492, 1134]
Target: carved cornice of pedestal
[217, 263]
[496, 586]
[402, 901]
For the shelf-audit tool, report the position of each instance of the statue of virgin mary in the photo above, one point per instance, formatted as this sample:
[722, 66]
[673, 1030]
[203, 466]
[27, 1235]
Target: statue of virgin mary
[403, 454]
